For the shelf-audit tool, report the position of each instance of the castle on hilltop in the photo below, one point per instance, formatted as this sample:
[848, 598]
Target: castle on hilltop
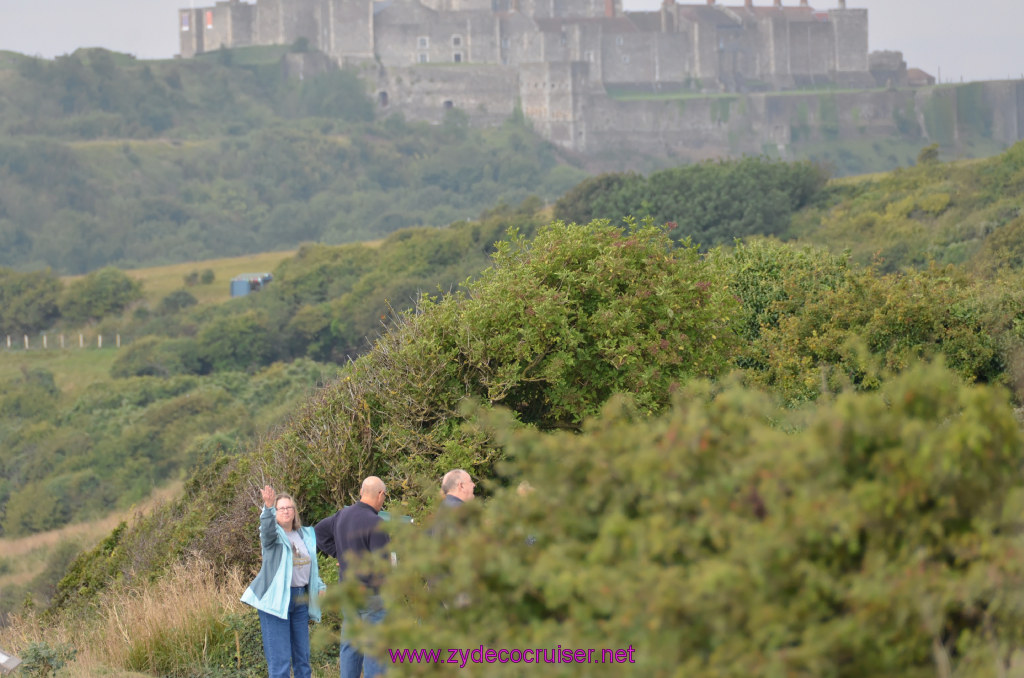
[570, 65]
[708, 47]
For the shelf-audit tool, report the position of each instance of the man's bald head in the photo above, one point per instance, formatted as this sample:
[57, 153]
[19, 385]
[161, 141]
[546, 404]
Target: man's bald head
[372, 492]
[458, 484]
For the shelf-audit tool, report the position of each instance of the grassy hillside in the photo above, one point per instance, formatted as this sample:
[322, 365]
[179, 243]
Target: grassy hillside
[159, 281]
[965, 212]
[761, 386]
[105, 160]
[35, 563]
[776, 436]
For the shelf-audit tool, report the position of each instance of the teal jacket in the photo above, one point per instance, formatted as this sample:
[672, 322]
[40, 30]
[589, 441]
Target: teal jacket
[271, 590]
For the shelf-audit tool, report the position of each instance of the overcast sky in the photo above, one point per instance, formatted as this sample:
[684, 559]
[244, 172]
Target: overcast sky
[968, 39]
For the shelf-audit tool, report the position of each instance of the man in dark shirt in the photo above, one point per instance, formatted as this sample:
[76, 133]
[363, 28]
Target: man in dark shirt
[356, 530]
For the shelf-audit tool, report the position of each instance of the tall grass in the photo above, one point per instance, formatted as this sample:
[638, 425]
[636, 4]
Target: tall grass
[186, 623]
[178, 625]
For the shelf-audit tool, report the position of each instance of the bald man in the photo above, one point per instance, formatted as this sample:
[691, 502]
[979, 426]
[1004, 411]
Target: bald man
[356, 530]
[457, 487]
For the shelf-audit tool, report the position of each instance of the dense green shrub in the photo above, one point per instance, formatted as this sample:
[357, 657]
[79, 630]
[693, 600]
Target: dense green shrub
[551, 330]
[877, 539]
[176, 301]
[236, 342]
[815, 323]
[607, 196]
[28, 301]
[101, 293]
[710, 202]
[157, 357]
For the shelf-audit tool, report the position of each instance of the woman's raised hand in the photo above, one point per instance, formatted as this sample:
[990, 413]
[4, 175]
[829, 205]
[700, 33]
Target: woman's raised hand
[268, 496]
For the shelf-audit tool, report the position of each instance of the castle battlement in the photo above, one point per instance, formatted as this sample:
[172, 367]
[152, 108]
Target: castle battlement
[573, 49]
[711, 47]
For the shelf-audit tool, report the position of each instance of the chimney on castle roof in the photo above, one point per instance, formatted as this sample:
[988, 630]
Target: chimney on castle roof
[803, 3]
[778, 4]
[749, 4]
[711, 2]
[842, 4]
[609, 8]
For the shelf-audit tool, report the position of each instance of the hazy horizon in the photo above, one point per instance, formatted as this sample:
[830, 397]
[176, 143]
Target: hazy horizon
[950, 40]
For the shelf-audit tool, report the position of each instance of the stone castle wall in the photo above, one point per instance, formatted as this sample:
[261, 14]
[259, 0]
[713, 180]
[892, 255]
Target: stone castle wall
[558, 60]
[708, 127]
[487, 93]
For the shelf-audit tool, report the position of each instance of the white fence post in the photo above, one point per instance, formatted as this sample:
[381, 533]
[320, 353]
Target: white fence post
[62, 341]
[99, 341]
[119, 340]
[8, 341]
[81, 341]
[44, 341]
[26, 342]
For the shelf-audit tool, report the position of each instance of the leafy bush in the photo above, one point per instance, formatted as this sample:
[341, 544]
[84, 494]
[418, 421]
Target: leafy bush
[176, 301]
[154, 356]
[236, 342]
[711, 202]
[44, 660]
[551, 330]
[871, 541]
[105, 292]
[28, 301]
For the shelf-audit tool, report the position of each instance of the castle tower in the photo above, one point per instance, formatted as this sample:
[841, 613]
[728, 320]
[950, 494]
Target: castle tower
[349, 29]
[269, 22]
[190, 32]
[851, 39]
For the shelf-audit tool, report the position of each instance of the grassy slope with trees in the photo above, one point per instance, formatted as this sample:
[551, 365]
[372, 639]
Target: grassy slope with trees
[754, 467]
[553, 330]
[104, 160]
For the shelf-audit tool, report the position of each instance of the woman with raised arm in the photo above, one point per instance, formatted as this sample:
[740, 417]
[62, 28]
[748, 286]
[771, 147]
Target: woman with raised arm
[281, 591]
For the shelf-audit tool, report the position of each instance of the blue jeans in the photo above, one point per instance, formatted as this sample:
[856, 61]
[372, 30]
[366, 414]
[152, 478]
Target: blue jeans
[350, 661]
[286, 641]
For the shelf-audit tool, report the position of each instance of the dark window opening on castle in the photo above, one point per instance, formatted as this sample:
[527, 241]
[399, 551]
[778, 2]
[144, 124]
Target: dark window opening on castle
[456, 41]
[423, 58]
[382, 99]
[457, 57]
[423, 42]
[448, 105]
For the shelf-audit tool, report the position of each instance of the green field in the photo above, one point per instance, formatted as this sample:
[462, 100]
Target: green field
[73, 369]
[159, 281]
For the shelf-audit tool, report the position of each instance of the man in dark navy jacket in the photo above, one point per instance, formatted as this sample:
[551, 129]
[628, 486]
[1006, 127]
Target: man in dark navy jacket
[356, 530]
